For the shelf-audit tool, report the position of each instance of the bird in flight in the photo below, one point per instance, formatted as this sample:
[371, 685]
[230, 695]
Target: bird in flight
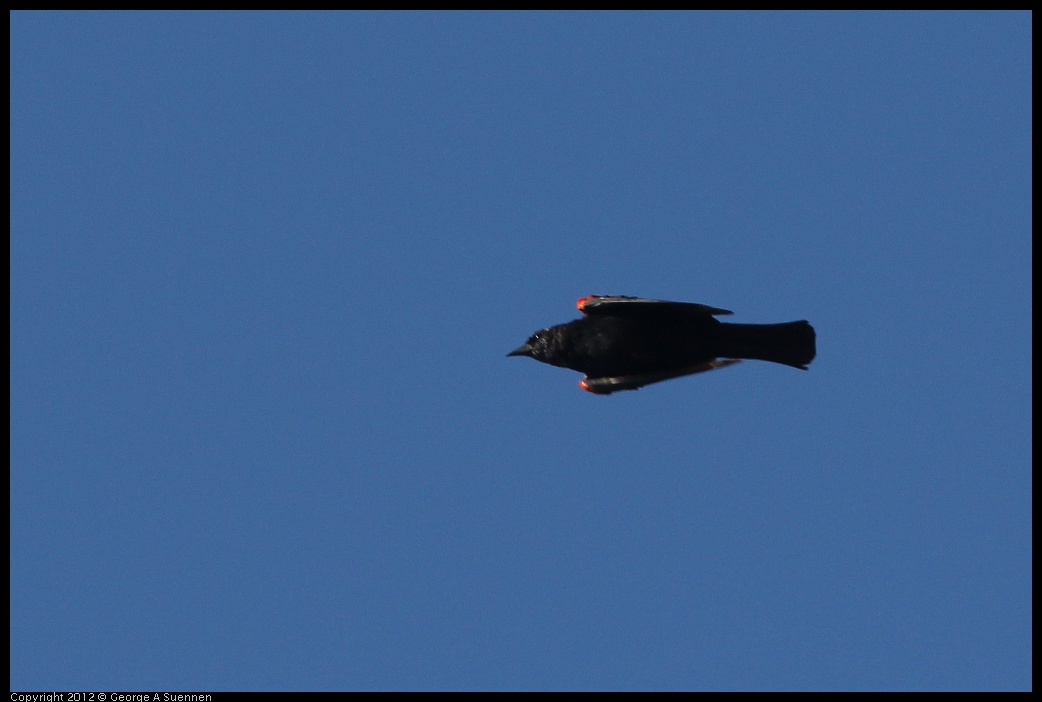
[625, 343]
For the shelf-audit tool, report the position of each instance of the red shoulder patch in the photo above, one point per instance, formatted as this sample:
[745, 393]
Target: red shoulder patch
[585, 386]
[583, 301]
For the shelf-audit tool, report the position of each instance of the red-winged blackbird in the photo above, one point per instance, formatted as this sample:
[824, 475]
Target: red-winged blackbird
[624, 343]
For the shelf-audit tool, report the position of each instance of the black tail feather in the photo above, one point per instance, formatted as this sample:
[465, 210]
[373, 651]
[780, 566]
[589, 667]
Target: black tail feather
[791, 344]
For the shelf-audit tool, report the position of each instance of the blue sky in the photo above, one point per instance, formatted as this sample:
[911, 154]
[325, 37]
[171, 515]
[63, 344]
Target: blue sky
[265, 269]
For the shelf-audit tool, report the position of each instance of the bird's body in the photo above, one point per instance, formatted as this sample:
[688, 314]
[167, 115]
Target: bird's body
[623, 343]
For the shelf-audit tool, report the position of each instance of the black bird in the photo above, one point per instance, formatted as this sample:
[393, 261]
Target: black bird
[624, 343]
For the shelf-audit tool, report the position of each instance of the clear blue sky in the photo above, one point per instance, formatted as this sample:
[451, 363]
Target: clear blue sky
[265, 269]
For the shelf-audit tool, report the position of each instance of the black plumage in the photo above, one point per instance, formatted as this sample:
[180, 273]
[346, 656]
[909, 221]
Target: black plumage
[624, 343]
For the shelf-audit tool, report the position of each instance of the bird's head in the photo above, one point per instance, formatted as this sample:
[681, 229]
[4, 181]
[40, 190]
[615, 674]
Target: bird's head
[539, 346]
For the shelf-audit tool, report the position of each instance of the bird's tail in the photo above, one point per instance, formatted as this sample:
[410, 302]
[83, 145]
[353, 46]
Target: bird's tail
[792, 343]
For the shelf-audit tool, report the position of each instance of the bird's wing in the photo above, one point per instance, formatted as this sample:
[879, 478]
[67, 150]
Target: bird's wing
[622, 306]
[608, 385]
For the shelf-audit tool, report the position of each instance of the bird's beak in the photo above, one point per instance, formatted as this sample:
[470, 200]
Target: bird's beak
[525, 350]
